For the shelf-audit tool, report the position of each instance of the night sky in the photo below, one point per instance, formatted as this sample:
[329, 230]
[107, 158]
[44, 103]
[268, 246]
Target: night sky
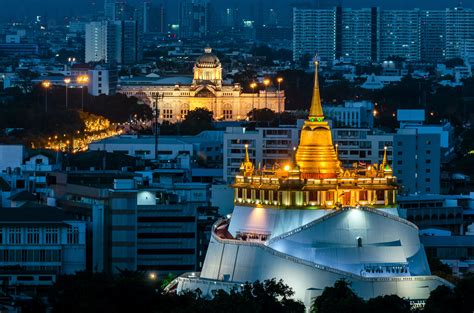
[56, 9]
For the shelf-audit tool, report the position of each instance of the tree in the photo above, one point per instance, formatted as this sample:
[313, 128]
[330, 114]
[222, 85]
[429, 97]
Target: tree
[388, 304]
[338, 299]
[262, 115]
[197, 121]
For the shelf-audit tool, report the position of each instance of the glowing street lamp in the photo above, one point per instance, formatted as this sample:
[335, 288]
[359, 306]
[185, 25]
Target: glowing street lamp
[253, 85]
[67, 81]
[46, 84]
[266, 82]
[279, 80]
[82, 80]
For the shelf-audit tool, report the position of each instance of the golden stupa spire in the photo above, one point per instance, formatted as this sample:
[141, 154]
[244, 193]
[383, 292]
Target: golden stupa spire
[316, 109]
[384, 161]
[316, 156]
[247, 165]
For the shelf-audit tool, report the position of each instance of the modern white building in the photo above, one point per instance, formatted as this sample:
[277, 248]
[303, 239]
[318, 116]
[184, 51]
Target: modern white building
[358, 114]
[102, 81]
[37, 243]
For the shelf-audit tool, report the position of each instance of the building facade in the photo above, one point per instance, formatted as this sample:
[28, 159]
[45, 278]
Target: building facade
[459, 30]
[207, 90]
[193, 19]
[37, 243]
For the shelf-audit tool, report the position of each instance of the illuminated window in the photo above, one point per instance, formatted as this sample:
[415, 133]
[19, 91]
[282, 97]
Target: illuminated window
[363, 195]
[329, 195]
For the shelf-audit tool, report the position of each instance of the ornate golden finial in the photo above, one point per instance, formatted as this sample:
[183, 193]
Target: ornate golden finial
[247, 158]
[316, 109]
[247, 165]
[384, 161]
[337, 150]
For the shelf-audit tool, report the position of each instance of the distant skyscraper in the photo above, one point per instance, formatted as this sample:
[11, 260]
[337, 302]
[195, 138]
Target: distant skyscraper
[193, 18]
[433, 35]
[109, 9]
[459, 30]
[359, 34]
[113, 42]
[400, 34]
[314, 31]
[153, 17]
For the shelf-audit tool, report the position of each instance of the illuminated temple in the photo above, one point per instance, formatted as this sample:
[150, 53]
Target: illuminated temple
[312, 222]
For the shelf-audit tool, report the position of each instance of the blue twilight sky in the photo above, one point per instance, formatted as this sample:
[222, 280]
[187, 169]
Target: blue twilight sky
[56, 9]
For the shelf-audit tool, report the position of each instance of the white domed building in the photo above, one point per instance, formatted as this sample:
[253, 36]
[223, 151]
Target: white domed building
[176, 96]
[313, 222]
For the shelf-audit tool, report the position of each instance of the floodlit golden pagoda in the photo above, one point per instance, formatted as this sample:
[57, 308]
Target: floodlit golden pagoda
[315, 178]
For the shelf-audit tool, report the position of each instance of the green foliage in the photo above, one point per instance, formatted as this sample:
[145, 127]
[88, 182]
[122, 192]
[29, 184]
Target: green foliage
[133, 292]
[338, 299]
[388, 304]
[197, 121]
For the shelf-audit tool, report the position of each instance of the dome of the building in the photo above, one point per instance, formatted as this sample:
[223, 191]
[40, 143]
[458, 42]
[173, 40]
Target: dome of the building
[208, 59]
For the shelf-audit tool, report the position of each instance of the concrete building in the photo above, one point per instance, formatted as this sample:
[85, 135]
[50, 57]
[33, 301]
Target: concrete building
[400, 34]
[359, 34]
[37, 243]
[194, 18]
[102, 81]
[314, 32]
[459, 29]
[116, 41]
[357, 114]
[176, 96]
[268, 147]
[150, 221]
[362, 146]
[11, 156]
[416, 154]
[433, 35]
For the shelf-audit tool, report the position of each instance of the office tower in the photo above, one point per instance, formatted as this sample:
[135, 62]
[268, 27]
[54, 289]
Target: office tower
[109, 9]
[113, 42]
[153, 18]
[433, 35]
[314, 32]
[400, 34]
[102, 42]
[193, 19]
[359, 34]
[459, 30]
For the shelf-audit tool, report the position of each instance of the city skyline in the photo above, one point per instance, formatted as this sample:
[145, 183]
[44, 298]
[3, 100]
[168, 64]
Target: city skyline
[57, 9]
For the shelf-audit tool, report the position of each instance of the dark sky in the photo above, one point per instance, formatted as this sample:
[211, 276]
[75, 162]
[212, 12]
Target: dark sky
[17, 9]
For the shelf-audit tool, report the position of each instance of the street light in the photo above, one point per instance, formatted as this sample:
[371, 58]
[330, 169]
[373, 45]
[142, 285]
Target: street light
[82, 80]
[266, 82]
[67, 81]
[279, 80]
[46, 84]
[253, 85]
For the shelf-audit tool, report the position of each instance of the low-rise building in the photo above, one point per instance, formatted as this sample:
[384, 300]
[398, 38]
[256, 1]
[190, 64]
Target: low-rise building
[37, 243]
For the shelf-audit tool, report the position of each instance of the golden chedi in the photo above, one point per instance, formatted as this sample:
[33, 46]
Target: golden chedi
[316, 156]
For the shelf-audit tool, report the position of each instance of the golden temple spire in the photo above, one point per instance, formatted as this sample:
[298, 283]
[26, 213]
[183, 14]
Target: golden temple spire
[247, 158]
[247, 165]
[384, 161]
[316, 109]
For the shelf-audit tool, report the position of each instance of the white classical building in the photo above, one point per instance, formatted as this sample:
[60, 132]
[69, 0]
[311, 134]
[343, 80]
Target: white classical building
[175, 97]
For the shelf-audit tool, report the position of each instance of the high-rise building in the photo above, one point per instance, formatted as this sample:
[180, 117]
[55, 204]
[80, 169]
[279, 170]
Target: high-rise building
[314, 32]
[433, 35]
[359, 34]
[153, 17]
[109, 9]
[102, 42]
[113, 42]
[459, 30]
[193, 18]
[400, 34]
